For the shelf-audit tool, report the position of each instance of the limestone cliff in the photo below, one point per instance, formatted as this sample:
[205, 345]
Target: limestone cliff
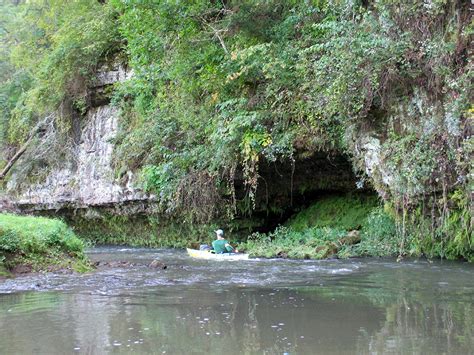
[81, 173]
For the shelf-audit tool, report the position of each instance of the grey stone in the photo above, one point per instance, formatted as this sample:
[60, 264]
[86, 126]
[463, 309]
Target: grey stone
[86, 178]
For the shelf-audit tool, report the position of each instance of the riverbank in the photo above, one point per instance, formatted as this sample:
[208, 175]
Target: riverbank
[36, 244]
[335, 226]
[367, 231]
[332, 226]
[349, 226]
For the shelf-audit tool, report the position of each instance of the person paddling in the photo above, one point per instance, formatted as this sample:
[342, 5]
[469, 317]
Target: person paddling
[220, 245]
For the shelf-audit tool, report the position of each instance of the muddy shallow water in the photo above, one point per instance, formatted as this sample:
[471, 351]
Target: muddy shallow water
[364, 306]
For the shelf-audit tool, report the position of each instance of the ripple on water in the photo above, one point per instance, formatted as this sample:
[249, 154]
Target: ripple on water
[332, 306]
[183, 270]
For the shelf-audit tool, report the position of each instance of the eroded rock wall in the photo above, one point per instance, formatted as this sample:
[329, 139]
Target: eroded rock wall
[84, 176]
[420, 147]
[87, 178]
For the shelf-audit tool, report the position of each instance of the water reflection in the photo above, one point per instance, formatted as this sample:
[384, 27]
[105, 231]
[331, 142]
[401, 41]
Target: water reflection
[378, 308]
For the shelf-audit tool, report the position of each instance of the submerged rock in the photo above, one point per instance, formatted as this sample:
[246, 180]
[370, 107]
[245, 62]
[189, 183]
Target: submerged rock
[158, 265]
[114, 264]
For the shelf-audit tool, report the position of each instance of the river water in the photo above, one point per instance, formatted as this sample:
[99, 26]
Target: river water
[362, 306]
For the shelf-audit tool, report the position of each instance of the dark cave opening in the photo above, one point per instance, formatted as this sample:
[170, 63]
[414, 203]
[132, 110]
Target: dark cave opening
[285, 188]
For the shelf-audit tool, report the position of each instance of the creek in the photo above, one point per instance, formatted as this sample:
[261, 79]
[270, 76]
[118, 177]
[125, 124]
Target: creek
[363, 306]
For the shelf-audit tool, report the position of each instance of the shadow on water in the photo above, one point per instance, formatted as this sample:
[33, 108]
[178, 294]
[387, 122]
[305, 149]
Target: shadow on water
[259, 306]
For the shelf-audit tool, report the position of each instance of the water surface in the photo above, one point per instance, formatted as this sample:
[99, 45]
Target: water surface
[363, 306]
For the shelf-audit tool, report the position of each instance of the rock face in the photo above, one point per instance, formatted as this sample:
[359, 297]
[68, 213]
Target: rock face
[419, 147]
[86, 177]
[89, 179]
[115, 74]
[82, 175]
[369, 150]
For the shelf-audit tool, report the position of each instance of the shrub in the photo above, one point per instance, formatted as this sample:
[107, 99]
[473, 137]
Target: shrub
[9, 242]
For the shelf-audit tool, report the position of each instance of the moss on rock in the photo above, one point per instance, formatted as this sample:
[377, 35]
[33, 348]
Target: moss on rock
[338, 211]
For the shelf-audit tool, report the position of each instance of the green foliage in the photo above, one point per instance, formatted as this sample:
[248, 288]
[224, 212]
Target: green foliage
[309, 77]
[10, 242]
[38, 241]
[379, 236]
[452, 238]
[3, 270]
[233, 99]
[322, 229]
[286, 242]
[139, 231]
[345, 212]
[51, 49]
[220, 87]
[160, 178]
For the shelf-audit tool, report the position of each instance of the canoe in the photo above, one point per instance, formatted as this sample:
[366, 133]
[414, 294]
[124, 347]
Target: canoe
[206, 254]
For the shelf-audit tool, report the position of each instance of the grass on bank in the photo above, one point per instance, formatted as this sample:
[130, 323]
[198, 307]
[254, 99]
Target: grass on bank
[335, 211]
[343, 225]
[377, 237]
[39, 243]
[356, 226]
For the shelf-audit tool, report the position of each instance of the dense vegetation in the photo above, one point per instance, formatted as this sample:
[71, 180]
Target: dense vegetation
[335, 226]
[37, 243]
[219, 87]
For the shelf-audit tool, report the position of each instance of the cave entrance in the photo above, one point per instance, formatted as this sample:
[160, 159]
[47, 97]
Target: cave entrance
[286, 188]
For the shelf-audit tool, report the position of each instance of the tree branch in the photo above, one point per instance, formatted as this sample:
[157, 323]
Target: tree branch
[220, 39]
[216, 33]
[22, 150]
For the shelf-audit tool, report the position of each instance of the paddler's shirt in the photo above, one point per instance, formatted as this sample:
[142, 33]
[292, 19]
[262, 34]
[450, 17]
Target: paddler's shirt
[220, 247]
